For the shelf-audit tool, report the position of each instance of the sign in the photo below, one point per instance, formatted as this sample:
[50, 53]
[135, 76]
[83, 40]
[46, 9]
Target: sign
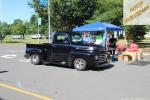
[39, 21]
[136, 12]
[44, 3]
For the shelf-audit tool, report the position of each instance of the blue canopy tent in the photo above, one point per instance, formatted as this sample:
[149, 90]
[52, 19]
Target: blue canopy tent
[98, 26]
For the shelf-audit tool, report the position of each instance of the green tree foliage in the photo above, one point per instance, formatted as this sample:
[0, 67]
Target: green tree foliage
[65, 14]
[4, 30]
[34, 20]
[32, 26]
[110, 11]
[137, 32]
[18, 27]
[148, 27]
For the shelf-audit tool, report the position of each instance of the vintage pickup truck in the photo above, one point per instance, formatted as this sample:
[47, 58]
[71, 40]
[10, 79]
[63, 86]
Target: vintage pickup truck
[69, 49]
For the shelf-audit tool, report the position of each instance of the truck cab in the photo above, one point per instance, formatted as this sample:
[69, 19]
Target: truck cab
[69, 49]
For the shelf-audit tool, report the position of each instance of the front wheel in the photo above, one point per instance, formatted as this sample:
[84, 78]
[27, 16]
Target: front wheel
[35, 59]
[80, 64]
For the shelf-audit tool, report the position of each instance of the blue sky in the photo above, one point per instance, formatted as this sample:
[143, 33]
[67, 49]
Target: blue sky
[16, 9]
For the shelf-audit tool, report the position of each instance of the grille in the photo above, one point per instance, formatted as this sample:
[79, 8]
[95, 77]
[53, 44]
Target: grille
[103, 57]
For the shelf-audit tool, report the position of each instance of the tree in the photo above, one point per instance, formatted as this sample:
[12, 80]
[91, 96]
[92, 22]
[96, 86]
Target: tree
[18, 27]
[32, 27]
[34, 19]
[4, 30]
[148, 27]
[137, 32]
[65, 14]
[110, 11]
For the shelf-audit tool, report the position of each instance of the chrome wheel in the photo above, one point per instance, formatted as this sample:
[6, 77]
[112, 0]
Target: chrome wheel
[35, 59]
[80, 64]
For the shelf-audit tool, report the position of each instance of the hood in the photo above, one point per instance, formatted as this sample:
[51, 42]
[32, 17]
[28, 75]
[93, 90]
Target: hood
[89, 47]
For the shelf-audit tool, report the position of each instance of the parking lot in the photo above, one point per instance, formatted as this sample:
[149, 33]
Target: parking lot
[20, 80]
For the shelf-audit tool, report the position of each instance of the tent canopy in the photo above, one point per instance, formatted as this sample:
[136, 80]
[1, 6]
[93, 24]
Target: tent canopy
[97, 26]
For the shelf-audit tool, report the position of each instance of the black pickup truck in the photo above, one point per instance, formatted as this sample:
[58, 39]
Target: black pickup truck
[69, 49]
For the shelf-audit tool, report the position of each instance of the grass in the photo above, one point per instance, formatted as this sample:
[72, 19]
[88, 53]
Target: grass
[8, 40]
[25, 41]
[143, 44]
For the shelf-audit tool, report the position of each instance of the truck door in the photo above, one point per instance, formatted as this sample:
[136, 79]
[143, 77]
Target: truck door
[61, 47]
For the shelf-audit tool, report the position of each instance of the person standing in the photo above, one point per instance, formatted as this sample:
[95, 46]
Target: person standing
[112, 45]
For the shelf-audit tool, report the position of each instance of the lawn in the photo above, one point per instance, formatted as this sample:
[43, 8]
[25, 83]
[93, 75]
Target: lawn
[143, 44]
[8, 40]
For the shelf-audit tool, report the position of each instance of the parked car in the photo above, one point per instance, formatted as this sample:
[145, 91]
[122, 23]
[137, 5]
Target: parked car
[17, 37]
[68, 49]
[36, 36]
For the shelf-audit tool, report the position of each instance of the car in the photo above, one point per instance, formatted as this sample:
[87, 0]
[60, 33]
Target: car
[68, 49]
[36, 36]
[17, 37]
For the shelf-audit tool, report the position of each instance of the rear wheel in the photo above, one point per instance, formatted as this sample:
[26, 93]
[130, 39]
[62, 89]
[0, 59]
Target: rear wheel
[36, 59]
[80, 64]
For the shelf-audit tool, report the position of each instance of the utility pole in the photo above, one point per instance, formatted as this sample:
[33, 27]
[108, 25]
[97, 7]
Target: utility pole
[49, 22]
[47, 3]
[1, 11]
[38, 34]
[1, 18]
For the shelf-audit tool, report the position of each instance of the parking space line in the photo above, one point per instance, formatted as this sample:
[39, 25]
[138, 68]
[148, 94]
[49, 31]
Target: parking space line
[8, 56]
[25, 92]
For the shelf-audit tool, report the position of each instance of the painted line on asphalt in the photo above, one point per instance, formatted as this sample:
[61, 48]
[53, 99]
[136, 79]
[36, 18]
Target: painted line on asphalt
[8, 56]
[25, 92]
[24, 61]
[12, 51]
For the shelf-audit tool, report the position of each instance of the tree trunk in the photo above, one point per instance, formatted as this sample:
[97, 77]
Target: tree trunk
[23, 36]
[1, 39]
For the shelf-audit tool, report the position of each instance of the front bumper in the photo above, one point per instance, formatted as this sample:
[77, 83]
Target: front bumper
[104, 60]
[102, 64]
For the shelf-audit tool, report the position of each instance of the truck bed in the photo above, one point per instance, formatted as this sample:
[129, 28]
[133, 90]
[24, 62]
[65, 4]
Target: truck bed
[39, 46]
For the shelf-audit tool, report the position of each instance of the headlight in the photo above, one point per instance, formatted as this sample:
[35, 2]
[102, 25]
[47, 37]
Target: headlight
[96, 57]
[91, 48]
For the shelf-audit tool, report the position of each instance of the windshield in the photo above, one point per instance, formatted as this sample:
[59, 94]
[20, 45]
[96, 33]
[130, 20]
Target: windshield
[76, 39]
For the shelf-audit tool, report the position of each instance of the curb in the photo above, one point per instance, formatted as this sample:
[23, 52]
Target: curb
[146, 54]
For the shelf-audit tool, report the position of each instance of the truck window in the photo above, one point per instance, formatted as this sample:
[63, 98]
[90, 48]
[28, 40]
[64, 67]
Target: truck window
[76, 39]
[61, 39]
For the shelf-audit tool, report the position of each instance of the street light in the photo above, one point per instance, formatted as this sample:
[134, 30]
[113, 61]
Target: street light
[1, 18]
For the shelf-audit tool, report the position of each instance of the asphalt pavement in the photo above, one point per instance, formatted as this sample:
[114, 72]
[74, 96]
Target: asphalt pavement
[20, 80]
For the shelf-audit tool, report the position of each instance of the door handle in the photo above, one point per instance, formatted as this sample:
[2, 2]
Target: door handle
[54, 45]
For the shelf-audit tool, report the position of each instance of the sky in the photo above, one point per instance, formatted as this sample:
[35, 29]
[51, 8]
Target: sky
[16, 9]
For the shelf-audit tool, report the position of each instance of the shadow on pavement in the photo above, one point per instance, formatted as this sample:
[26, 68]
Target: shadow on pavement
[90, 68]
[103, 68]
[1, 98]
[3, 72]
[59, 66]
[140, 63]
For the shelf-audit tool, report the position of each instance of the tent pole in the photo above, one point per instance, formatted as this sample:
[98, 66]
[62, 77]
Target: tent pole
[105, 40]
[125, 39]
